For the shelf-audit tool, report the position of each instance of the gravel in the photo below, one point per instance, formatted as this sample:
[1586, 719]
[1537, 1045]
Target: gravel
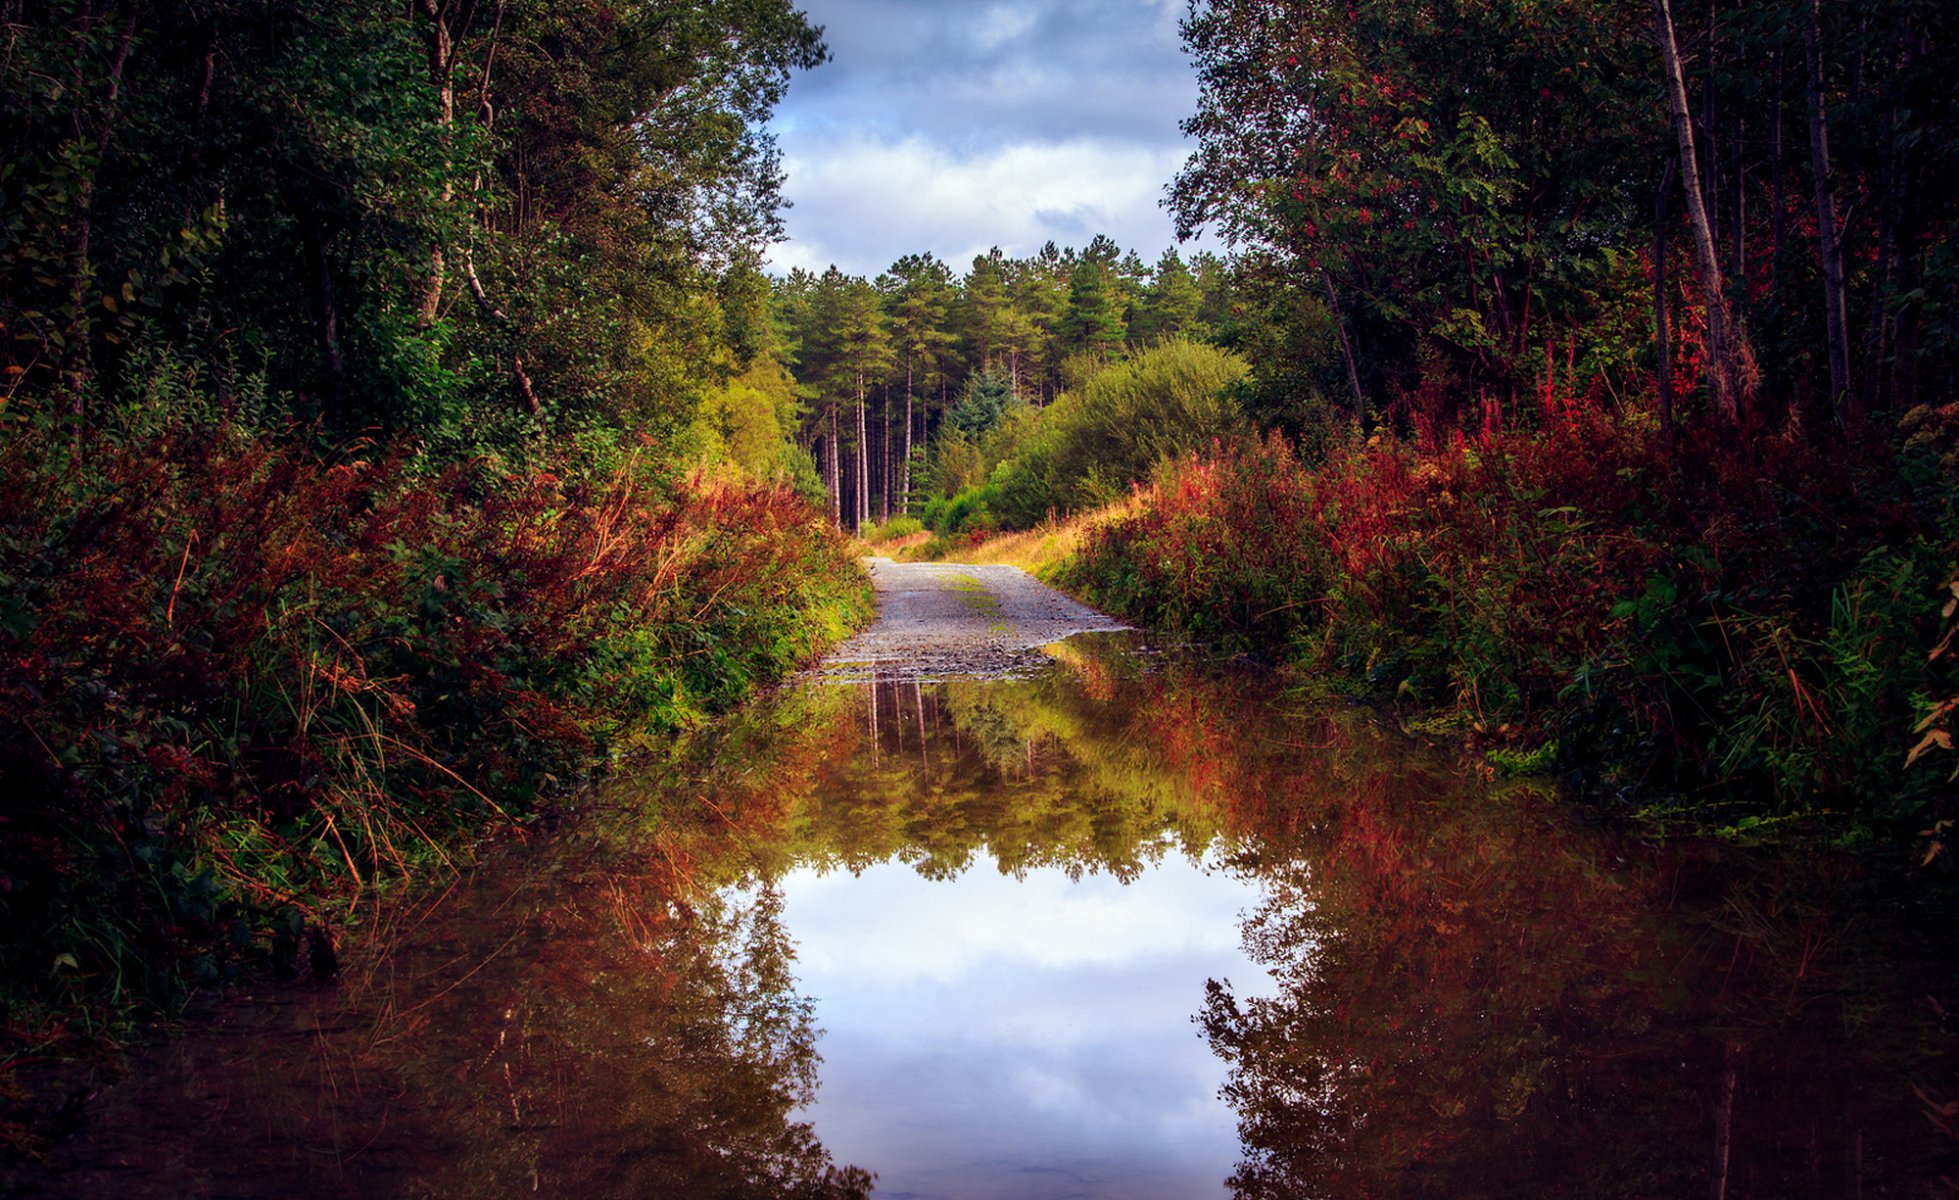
[939, 620]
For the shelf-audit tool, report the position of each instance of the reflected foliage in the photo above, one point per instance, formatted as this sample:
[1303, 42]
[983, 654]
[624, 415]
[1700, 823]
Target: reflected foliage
[1472, 993]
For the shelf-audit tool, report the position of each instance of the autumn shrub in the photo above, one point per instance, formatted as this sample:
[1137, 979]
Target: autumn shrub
[1755, 621]
[240, 683]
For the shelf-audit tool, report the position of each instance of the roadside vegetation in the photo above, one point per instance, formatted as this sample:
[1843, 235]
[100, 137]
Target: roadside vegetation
[396, 426]
[392, 436]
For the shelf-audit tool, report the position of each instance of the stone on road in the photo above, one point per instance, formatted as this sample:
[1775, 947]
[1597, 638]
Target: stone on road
[943, 619]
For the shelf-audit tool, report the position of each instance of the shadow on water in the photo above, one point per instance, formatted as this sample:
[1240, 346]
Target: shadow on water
[1460, 989]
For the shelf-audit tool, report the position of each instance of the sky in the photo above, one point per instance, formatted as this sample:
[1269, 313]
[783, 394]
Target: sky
[957, 125]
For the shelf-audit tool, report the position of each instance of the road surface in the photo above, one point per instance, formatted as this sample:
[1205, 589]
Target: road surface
[936, 620]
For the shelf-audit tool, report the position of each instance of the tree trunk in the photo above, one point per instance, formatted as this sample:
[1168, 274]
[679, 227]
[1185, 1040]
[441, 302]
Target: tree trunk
[78, 368]
[832, 475]
[326, 327]
[1346, 348]
[1741, 211]
[442, 73]
[862, 507]
[1878, 336]
[1834, 304]
[1722, 342]
[904, 468]
[1779, 231]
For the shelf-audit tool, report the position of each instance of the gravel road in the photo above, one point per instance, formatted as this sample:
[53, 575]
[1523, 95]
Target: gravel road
[936, 620]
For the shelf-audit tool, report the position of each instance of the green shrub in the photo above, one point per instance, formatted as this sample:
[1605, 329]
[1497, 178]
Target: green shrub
[1089, 448]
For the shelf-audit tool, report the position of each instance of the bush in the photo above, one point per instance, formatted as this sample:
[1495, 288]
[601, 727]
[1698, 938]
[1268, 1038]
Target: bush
[967, 512]
[1092, 447]
[240, 684]
[1758, 623]
[893, 530]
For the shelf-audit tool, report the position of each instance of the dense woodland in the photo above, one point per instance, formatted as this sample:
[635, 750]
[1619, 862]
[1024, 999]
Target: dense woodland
[396, 425]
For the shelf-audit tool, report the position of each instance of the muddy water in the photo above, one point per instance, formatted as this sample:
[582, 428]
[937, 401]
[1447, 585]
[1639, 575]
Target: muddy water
[1127, 927]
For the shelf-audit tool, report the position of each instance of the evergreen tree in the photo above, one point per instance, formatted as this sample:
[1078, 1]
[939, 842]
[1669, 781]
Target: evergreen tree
[1169, 303]
[1093, 323]
[918, 295]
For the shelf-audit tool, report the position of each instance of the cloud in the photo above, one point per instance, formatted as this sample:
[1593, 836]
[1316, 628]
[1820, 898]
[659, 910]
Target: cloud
[862, 203]
[953, 126]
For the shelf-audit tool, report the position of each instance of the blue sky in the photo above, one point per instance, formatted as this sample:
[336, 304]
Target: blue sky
[955, 125]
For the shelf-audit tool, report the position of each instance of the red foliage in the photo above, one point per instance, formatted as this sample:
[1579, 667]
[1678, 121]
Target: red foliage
[225, 661]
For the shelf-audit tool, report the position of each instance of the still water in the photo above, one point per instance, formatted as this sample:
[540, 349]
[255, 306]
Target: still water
[1129, 927]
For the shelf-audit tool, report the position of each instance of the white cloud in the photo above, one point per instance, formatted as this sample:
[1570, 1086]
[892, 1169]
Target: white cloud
[953, 126]
[861, 202]
[991, 1036]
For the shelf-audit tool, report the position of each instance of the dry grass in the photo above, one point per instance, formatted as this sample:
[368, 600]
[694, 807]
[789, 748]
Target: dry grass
[1038, 549]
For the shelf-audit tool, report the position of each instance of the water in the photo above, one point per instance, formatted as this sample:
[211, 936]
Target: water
[1130, 927]
[1003, 1036]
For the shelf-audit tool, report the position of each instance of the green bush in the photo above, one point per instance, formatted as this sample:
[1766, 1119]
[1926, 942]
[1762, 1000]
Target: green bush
[1089, 448]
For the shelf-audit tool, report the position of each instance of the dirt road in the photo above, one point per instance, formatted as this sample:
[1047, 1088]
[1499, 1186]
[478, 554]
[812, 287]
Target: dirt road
[940, 619]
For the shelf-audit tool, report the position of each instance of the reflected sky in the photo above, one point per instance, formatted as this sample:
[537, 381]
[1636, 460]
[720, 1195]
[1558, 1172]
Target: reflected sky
[993, 1036]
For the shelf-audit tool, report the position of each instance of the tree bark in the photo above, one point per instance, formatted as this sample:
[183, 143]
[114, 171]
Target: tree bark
[1834, 302]
[1780, 229]
[1722, 340]
[862, 507]
[832, 475]
[520, 379]
[326, 326]
[904, 467]
[78, 366]
[442, 73]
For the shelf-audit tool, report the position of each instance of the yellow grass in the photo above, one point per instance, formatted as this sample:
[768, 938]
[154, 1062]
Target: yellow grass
[1032, 550]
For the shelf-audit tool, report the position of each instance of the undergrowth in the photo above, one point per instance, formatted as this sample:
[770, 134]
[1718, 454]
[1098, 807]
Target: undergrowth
[241, 683]
[1748, 630]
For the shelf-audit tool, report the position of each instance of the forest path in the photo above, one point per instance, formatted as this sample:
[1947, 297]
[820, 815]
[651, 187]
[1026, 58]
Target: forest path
[937, 619]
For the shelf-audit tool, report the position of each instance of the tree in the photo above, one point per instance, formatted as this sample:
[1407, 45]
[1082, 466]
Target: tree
[1446, 182]
[985, 311]
[1094, 321]
[1726, 344]
[851, 349]
[408, 215]
[917, 295]
[1169, 303]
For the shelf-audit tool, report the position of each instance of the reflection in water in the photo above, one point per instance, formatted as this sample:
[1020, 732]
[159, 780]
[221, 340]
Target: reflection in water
[984, 1031]
[1002, 900]
[570, 1032]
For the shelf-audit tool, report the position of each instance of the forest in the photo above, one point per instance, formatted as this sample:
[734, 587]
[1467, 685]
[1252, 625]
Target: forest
[398, 427]
[1580, 383]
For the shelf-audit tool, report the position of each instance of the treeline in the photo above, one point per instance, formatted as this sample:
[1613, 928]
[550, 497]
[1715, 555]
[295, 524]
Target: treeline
[888, 367]
[466, 218]
[363, 476]
[1743, 210]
